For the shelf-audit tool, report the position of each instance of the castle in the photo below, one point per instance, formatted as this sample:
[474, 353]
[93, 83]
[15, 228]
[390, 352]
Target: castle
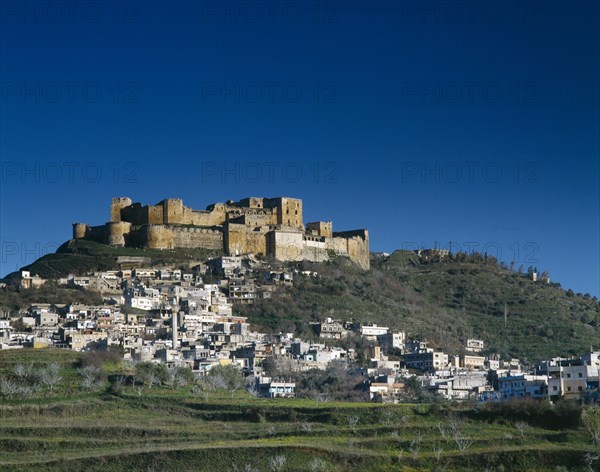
[263, 226]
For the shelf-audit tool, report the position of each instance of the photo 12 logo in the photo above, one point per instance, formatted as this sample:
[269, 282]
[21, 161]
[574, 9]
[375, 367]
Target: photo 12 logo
[269, 12]
[56, 12]
[23, 253]
[68, 92]
[469, 12]
[469, 172]
[269, 172]
[469, 92]
[271, 92]
[516, 252]
[68, 172]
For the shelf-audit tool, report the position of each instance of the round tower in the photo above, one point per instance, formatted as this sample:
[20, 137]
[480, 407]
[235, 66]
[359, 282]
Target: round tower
[80, 230]
[157, 237]
[116, 231]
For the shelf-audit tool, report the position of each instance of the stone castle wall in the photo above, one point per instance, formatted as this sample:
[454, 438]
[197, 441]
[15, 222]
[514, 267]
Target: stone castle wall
[170, 237]
[264, 226]
[240, 239]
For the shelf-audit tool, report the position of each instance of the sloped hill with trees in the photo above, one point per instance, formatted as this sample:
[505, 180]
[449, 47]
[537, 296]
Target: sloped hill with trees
[444, 301]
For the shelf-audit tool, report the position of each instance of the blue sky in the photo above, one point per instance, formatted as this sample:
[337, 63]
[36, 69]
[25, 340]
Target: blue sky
[426, 123]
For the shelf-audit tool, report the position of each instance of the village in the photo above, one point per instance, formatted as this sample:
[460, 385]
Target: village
[186, 318]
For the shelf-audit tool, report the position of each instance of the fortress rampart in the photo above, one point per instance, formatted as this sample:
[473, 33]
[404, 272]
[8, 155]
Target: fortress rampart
[263, 226]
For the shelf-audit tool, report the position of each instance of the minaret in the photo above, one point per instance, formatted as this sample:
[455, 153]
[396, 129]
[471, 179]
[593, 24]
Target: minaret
[174, 329]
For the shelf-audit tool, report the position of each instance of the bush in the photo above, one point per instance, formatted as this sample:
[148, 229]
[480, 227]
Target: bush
[224, 377]
[565, 414]
[148, 374]
[99, 357]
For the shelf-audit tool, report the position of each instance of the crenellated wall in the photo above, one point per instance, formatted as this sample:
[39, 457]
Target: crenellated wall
[264, 226]
[170, 237]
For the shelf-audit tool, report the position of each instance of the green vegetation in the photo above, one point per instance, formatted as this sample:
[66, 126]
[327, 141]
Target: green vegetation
[444, 302]
[80, 257]
[12, 299]
[159, 425]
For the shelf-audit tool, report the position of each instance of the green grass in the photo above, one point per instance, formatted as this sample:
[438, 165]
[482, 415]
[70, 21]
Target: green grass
[443, 302]
[176, 430]
[80, 257]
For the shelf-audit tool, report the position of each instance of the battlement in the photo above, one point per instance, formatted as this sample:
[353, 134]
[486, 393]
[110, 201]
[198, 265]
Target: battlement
[265, 226]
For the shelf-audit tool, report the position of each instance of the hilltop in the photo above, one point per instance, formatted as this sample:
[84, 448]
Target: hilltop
[444, 301]
[78, 257]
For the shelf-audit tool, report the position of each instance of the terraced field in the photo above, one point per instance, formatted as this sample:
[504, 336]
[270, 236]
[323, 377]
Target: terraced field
[185, 429]
[165, 430]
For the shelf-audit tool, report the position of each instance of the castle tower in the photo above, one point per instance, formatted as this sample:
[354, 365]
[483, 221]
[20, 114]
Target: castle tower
[157, 237]
[80, 230]
[289, 211]
[116, 231]
[321, 228]
[118, 203]
[172, 211]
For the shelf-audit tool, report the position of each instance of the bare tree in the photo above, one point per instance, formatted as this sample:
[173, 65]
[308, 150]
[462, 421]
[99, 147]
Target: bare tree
[443, 431]
[462, 442]
[199, 391]
[277, 463]
[390, 418]
[91, 377]
[522, 428]
[353, 422]
[50, 376]
[317, 465]
[590, 459]
[25, 373]
[437, 452]
[456, 424]
[216, 382]
[415, 445]
[306, 427]
[25, 391]
[7, 387]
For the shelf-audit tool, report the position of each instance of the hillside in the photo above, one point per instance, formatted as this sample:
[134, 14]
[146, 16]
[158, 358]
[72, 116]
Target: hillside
[79, 257]
[120, 422]
[442, 301]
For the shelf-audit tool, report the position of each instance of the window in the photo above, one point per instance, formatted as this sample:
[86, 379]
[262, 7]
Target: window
[580, 374]
[568, 376]
[555, 388]
[580, 388]
[568, 389]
